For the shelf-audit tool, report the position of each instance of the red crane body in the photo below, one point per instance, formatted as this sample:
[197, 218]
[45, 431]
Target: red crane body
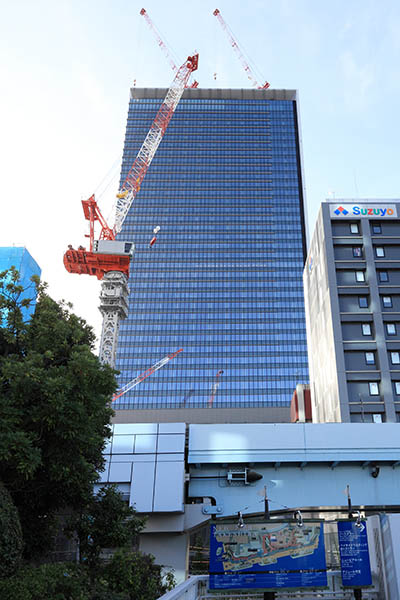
[107, 254]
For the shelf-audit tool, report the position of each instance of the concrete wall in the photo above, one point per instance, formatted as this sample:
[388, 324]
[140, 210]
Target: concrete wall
[269, 414]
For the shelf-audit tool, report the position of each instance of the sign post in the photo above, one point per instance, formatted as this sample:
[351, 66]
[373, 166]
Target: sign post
[354, 555]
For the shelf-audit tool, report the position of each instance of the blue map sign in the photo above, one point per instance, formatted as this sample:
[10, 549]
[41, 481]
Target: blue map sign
[354, 555]
[269, 556]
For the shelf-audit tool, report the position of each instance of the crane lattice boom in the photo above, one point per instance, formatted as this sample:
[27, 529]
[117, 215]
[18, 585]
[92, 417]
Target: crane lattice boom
[131, 384]
[134, 179]
[107, 254]
[239, 53]
[159, 39]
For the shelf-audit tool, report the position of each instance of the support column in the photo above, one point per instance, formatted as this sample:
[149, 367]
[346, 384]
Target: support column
[114, 297]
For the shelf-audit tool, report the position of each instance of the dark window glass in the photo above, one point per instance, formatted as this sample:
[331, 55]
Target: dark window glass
[363, 301]
[376, 228]
[357, 252]
[383, 276]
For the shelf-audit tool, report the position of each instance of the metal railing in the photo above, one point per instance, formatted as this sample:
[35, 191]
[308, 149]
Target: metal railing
[196, 588]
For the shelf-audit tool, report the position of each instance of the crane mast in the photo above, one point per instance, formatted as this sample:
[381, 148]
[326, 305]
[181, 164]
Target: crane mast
[235, 46]
[107, 258]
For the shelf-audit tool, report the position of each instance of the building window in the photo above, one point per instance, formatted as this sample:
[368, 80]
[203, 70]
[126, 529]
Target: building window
[397, 387]
[366, 329]
[383, 276]
[379, 251]
[370, 358]
[353, 227]
[373, 388]
[360, 276]
[377, 418]
[376, 228]
[395, 357]
[357, 252]
[363, 301]
[391, 328]
[387, 301]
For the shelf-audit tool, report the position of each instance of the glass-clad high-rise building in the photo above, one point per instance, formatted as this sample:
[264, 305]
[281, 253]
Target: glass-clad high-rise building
[224, 279]
[19, 258]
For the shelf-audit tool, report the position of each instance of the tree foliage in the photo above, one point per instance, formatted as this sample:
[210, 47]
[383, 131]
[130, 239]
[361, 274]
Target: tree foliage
[11, 543]
[105, 521]
[54, 410]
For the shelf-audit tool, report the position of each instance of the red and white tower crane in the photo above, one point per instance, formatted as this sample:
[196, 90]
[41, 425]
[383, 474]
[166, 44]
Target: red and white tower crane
[133, 383]
[108, 258]
[161, 44]
[240, 54]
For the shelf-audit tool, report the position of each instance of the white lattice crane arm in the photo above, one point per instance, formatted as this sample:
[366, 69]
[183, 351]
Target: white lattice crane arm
[134, 179]
[131, 384]
[159, 39]
[238, 51]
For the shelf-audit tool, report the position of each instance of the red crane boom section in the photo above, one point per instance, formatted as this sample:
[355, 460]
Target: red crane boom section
[88, 262]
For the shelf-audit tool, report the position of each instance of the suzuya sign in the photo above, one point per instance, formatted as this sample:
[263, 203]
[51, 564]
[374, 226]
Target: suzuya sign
[380, 211]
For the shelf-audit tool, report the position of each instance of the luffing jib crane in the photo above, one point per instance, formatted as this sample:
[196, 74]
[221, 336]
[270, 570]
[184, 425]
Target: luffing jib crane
[214, 388]
[108, 258]
[161, 44]
[235, 46]
[131, 384]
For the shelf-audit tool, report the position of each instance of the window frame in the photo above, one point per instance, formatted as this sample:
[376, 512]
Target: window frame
[361, 299]
[387, 328]
[376, 228]
[397, 388]
[355, 250]
[395, 353]
[356, 227]
[356, 273]
[366, 325]
[388, 304]
[371, 354]
[380, 276]
[371, 387]
[380, 249]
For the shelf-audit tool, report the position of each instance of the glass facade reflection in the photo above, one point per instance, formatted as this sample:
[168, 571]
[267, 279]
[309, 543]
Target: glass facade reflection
[224, 279]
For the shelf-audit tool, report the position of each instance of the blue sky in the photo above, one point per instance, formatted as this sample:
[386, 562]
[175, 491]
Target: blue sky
[65, 72]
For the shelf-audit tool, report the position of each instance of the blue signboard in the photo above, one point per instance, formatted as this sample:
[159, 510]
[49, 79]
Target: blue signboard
[274, 555]
[354, 555]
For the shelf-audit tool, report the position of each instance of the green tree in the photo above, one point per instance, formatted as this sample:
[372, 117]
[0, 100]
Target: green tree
[54, 410]
[135, 576]
[105, 521]
[11, 542]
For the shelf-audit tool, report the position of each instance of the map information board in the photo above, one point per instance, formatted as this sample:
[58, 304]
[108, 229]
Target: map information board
[267, 555]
